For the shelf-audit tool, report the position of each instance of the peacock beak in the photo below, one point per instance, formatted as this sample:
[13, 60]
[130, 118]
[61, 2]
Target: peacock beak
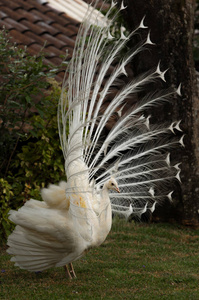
[117, 190]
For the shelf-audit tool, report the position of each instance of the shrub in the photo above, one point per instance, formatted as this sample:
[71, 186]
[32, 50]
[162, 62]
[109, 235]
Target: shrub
[23, 78]
[38, 162]
[30, 153]
[6, 194]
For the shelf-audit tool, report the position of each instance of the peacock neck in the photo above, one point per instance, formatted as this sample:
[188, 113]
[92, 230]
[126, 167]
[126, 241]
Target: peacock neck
[105, 203]
[104, 218]
[105, 195]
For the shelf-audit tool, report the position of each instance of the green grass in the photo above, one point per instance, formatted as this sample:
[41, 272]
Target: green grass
[137, 261]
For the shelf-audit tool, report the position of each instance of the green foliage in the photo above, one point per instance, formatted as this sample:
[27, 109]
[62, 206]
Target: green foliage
[30, 153]
[23, 78]
[6, 195]
[38, 163]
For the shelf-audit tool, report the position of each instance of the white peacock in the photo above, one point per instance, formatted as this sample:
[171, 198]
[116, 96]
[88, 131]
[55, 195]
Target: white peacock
[132, 158]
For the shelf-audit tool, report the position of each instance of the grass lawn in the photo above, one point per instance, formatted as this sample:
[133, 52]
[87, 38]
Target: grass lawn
[137, 261]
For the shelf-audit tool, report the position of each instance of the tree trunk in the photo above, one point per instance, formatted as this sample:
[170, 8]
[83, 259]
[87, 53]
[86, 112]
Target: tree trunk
[171, 25]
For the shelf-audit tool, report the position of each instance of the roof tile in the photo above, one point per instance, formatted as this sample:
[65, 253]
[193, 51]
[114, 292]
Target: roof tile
[34, 25]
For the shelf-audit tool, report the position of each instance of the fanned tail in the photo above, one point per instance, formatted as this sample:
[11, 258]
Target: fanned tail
[133, 151]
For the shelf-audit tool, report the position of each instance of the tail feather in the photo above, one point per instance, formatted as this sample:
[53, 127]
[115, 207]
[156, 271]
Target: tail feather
[132, 142]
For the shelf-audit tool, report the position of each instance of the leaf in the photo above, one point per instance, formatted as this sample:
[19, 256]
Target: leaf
[33, 133]
[28, 98]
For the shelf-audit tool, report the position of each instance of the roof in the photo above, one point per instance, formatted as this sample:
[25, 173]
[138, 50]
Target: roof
[77, 9]
[35, 24]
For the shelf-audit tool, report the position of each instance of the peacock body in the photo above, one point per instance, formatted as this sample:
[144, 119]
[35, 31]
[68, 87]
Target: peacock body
[132, 159]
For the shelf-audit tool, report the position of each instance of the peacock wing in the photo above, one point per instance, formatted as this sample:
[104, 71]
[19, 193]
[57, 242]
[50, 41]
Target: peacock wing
[43, 238]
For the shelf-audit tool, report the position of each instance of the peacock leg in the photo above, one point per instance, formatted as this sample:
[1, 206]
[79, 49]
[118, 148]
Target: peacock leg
[70, 272]
[68, 275]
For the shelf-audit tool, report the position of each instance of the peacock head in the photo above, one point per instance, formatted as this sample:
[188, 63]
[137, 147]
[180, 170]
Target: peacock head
[111, 184]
